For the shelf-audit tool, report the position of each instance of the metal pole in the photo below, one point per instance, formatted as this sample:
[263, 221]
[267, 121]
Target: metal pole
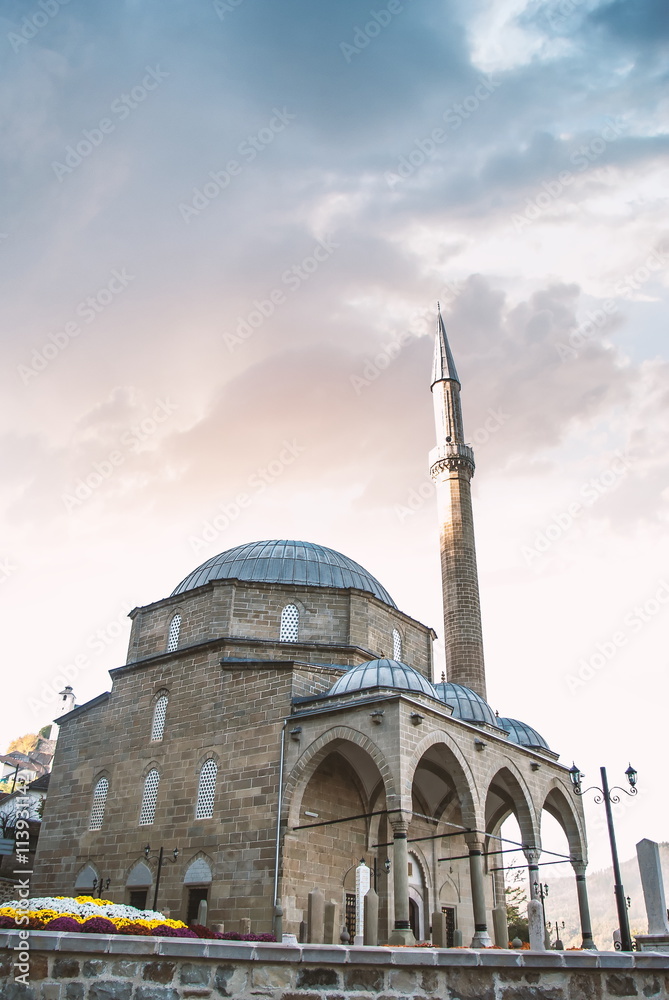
[279, 807]
[158, 871]
[623, 921]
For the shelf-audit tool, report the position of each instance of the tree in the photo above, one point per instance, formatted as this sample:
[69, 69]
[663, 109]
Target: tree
[24, 744]
[516, 905]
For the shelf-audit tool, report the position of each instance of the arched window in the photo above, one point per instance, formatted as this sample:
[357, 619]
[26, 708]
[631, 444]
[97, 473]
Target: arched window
[397, 645]
[99, 803]
[85, 879]
[206, 790]
[149, 796]
[173, 634]
[158, 727]
[290, 624]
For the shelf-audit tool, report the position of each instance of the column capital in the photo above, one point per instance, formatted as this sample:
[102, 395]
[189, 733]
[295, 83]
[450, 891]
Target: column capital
[475, 842]
[532, 855]
[400, 824]
[579, 867]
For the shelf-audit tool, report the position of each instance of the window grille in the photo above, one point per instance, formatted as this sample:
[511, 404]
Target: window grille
[173, 634]
[397, 645]
[148, 810]
[206, 790]
[99, 802]
[290, 624]
[159, 711]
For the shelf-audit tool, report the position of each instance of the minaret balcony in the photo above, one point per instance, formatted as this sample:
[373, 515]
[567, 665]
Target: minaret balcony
[452, 455]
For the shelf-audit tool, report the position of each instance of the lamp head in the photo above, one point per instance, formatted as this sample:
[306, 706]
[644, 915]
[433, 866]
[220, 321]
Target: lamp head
[575, 775]
[631, 776]
[386, 865]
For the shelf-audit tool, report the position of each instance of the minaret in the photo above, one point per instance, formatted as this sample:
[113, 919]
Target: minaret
[452, 468]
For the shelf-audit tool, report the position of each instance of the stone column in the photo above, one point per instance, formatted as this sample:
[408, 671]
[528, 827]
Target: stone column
[583, 906]
[481, 937]
[402, 933]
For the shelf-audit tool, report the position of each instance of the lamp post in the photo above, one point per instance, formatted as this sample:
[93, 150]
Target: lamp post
[159, 858]
[100, 885]
[607, 796]
[558, 943]
[376, 871]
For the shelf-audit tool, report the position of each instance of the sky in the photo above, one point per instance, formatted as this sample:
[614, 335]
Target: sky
[224, 231]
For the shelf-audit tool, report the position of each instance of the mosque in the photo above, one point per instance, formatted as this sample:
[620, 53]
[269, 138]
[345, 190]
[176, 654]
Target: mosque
[277, 721]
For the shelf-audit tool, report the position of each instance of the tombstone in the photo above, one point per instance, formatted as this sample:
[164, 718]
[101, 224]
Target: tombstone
[315, 916]
[457, 938]
[244, 924]
[218, 928]
[344, 937]
[277, 922]
[535, 920]
[371, 935]
[362, 884]
[439, 929]
[500, 926]
[303, 936]
[650, 867]
[202, 913]
[331, 923]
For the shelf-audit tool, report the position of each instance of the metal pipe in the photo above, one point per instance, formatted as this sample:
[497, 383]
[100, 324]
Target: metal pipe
[277, 846]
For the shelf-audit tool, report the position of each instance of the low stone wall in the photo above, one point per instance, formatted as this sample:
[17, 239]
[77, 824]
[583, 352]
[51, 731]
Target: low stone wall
[119, 967]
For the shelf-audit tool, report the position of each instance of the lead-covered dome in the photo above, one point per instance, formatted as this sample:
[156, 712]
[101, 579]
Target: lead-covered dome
[466, 704]
[521, 733]
[383, 673]
[281, 561]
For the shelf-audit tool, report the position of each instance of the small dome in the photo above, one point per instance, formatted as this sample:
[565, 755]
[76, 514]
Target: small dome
[520, 732]
[384, 673]
[295, 563]
[467, 704]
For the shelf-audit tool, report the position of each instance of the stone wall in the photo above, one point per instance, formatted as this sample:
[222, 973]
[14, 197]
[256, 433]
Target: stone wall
[328, 616]
[101, 967]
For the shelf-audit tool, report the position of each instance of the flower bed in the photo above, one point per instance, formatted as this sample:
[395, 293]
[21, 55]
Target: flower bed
[101, 916]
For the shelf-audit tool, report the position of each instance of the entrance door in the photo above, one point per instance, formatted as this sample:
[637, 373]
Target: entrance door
[414, 918]
[195, 897]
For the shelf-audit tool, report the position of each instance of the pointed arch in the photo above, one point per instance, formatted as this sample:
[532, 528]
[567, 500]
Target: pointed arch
[199, 871]
[139, 876]
[450, 759]
[562, 807]
[507, 793]
[86, 877]
[314, 754]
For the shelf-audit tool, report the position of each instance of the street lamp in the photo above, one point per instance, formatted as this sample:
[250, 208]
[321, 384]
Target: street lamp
[100, 884]
[375, 871]
[607, 796]
[558, 943]
[159, 858]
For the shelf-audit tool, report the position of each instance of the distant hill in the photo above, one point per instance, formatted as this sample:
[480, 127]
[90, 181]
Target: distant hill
[561, 903]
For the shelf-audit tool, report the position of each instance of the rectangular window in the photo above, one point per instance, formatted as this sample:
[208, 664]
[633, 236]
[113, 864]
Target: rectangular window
[450, 924]
[138, 898]
[350, 915]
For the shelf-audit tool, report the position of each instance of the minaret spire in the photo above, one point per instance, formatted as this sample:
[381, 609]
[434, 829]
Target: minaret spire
[452, 468]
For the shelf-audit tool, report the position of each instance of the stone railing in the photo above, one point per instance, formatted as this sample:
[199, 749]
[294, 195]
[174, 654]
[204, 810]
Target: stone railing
[120, 967]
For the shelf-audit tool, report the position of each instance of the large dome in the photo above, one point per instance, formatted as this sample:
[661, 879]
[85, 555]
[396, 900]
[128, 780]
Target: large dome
[284, 561]
[383, 673]
[521, 733]
[466, 704]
